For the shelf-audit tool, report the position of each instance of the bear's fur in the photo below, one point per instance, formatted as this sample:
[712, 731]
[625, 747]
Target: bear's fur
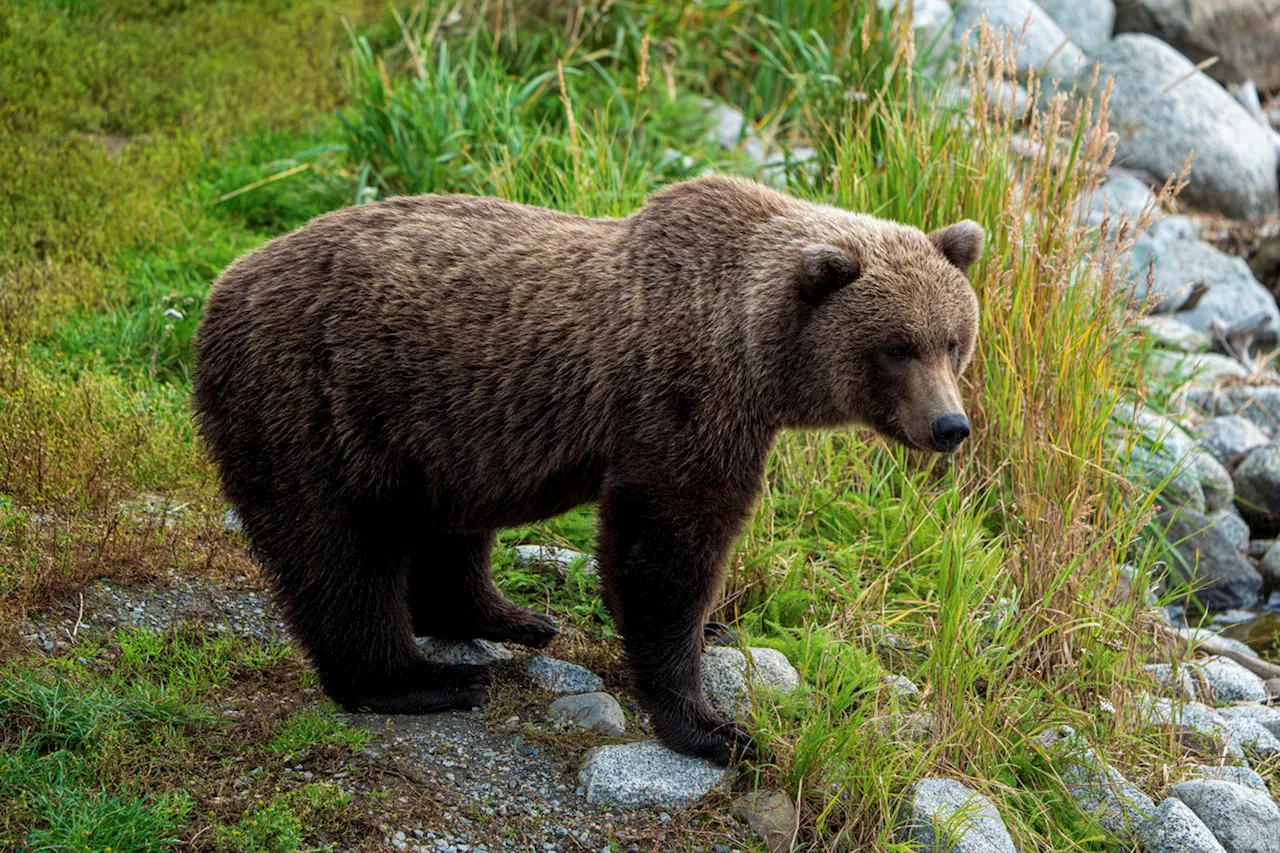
[387, 387]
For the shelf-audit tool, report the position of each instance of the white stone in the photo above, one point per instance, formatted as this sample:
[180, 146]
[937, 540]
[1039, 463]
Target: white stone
[648, 775]
[947, 816]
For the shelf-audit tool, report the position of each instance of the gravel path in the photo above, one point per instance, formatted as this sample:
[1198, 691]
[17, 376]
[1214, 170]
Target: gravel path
[500, 790]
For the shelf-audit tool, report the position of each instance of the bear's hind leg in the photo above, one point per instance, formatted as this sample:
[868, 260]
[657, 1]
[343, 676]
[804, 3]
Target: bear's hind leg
[343, 586]
[452, 595]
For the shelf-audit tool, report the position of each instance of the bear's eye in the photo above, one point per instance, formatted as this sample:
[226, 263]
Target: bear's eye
[898, 352]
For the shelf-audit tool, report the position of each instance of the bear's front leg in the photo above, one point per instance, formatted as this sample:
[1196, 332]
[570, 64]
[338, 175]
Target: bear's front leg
[662, 550]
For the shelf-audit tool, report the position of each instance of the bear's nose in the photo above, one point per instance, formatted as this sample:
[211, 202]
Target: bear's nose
[949, 431]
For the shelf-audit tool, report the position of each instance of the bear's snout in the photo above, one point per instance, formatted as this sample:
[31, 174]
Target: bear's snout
[949, 430]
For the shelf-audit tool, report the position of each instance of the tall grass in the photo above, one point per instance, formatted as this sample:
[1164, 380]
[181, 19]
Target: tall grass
[1001, 563]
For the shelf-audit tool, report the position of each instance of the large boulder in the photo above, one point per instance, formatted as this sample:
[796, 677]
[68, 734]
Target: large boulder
[1242, 34]
[947, 817]
[1044, 48]
[1163, 109]
[1242, 819]
[1174, 828]
[1257, 403]
[1088, 23]
[1229, 437]
[1207, 562]
[1233, 293]
[1257, 481]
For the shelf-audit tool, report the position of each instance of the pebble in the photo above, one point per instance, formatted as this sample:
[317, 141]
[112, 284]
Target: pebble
[598, 711]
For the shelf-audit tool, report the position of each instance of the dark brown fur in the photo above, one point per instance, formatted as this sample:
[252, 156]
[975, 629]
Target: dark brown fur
[387, 387]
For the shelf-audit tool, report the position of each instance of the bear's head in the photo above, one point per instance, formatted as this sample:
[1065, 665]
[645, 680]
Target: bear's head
[886, 324]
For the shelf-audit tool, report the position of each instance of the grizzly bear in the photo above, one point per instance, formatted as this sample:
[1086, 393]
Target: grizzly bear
[387, 387]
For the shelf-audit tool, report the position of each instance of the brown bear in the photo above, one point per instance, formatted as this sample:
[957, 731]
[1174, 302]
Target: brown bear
[387, 387]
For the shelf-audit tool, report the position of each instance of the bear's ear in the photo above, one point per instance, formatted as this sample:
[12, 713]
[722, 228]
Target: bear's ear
[826, 269]
[961, 244]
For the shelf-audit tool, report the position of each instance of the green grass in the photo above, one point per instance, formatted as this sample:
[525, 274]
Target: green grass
[312, 727]
[245, 120]
[98, 752]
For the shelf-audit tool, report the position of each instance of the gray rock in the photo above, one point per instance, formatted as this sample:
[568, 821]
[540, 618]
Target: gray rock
[731, 131]
[1180, 686]
[1269, 567]
[1099, 790]
[1273, 686]
[1253, 739]
[647, 775]
[595, 711]
[1199, 369]
[1241, 34]
[562, 677]
[1174, 828]
[931, 20]
[1208, 728]
[1154, 450]
[1258, 550]
[901, 688]
[1120, 194]
[1088, 23]
[1228, 437]
[1228, 773]
[1233, 294]
[462, 652]
[1242, 819]
[231, 522]
[1162, 471]
[1209, 563]
[947, 817]
[771, 815]
[1215, 482]
[774, 169]
[1233, 617]
[1171, 333]
[725, 677]
[1044, 48]
[1257, 403]
[559, 558]
[1163, 109]
[1232, 525]
[1257, 481]
[1231, 682]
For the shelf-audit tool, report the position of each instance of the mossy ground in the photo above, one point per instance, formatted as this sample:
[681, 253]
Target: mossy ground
[145, 145]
